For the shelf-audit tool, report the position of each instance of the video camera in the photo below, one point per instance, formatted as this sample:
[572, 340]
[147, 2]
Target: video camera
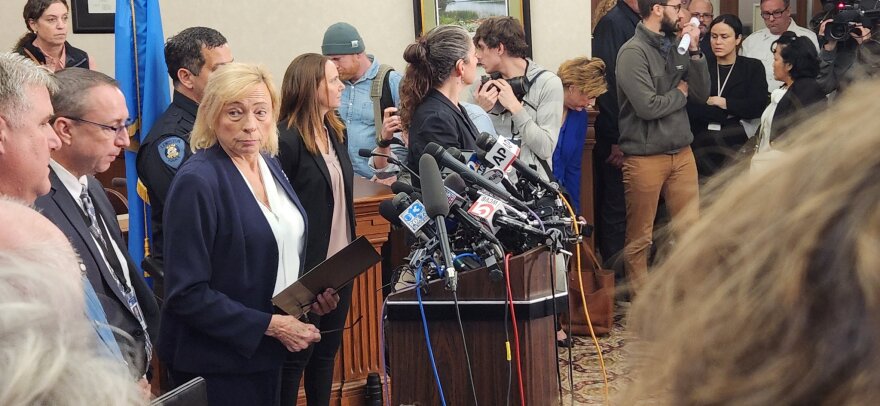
[846, 15]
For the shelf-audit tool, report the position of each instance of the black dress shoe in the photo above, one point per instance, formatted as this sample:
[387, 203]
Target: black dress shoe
[564, 343]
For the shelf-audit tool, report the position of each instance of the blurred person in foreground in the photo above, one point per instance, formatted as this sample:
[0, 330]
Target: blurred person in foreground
[779, 280]
[314, 155]
[237, 241]
[49, 353]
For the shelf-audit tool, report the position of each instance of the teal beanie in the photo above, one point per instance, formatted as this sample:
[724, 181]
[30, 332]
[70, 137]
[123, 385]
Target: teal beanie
[342, 39]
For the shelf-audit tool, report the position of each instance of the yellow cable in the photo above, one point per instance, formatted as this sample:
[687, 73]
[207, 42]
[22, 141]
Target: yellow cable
[584, 299]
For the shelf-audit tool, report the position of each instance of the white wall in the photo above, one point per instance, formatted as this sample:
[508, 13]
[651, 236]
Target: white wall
[273, 32]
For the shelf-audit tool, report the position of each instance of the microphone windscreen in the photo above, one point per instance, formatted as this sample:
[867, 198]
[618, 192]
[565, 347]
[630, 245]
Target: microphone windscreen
[485, 141]
[401, 201]
[456, 153]
[365, 153]
[456, 183]
[399, 186]
[389, 212]
[434, 194]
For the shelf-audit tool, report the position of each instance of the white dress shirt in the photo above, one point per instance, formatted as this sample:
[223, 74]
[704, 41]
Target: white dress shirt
[757, 45]
[74, 186]
[287, 225]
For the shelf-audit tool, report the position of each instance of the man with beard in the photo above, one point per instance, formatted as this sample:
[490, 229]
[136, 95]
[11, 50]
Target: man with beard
[358, 70]
[654, 83]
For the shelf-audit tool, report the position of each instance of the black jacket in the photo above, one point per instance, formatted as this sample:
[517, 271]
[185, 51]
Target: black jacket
[75, 57]
[310, 179]
[436, 119]
[792, 108]
[611, 32]
[745, 91]
[161, 153]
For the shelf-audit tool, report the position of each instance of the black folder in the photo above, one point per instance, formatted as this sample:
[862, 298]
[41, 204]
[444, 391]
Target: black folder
[192, 393]
[335, 272]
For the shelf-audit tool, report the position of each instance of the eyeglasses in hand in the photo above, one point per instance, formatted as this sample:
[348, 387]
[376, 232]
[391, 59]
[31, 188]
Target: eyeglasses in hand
[356, 321]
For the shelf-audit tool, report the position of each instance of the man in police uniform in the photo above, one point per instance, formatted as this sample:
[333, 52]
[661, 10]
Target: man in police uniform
[191, 55]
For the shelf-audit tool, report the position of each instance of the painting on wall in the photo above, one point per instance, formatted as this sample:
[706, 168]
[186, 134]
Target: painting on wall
[93, 16]
[467, 13]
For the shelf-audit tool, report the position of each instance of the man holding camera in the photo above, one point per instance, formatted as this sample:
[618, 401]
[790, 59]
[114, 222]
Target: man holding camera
[849, 50]
[523, 99]
[777, 17]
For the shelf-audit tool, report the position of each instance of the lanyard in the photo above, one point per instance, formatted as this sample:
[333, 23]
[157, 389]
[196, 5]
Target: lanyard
[718, 75]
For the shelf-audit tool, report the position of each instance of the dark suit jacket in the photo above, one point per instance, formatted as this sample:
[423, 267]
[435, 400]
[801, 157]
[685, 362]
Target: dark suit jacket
[611, 32]
[309, 177]
[803, 93]
[436, 119]
[59, 207]
[221, 260]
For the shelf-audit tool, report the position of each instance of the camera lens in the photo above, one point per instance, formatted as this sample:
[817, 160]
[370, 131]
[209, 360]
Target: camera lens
[838, 31]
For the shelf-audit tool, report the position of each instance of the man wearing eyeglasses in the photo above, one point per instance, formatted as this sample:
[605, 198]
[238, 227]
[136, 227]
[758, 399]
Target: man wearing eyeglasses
[777, 18]
[702, 10]
[90, 119]
[654, 84]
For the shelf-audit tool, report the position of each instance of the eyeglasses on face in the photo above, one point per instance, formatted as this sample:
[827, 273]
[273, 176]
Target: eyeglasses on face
[112, 128]
[775, 14]
[677, 7]
[703, 16]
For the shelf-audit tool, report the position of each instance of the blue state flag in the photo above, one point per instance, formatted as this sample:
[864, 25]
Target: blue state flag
[143, 78]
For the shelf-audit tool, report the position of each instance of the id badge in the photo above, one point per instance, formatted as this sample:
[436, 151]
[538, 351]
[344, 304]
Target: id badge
[714, 127]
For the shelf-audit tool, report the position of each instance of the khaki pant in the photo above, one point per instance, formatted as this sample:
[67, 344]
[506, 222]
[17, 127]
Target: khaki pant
[645, 178]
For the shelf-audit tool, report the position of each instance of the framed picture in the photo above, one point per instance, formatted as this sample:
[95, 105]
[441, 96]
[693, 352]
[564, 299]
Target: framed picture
[467, 13]
[93, 16]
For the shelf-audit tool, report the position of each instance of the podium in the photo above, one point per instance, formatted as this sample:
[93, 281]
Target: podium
[482, 305]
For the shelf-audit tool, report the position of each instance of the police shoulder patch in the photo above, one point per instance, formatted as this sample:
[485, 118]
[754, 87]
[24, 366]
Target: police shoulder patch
[172, 150]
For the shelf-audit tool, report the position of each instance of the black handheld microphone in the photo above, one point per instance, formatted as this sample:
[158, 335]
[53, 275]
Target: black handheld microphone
[399, 186]
[389, 212]
[437, 207]
[366, 153]
[486, 141]
[436, 151]
[456, 184]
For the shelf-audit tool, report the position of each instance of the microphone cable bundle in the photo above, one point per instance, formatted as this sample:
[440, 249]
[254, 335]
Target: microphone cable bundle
[488, 208]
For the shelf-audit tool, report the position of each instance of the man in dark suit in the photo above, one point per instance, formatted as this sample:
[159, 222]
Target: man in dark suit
[91, 118]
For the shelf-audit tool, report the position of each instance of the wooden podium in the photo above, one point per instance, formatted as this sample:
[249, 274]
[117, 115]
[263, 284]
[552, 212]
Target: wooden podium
[359, 354]
[482, 303]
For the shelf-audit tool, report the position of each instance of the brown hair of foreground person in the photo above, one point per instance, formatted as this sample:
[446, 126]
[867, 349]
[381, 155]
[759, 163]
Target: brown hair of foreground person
[773, 297]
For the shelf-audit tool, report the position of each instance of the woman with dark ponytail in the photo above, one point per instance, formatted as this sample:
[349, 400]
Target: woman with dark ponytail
[46, 40]
[441, 64]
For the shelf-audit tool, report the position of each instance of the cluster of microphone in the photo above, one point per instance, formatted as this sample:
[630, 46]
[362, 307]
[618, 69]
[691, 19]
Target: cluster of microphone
[477, 209]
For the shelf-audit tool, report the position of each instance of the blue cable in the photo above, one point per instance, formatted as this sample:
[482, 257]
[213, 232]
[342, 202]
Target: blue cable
[427, 336]
[468, 254]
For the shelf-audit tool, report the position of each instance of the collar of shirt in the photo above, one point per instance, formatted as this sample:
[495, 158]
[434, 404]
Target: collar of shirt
[371, 72]
[73, 184]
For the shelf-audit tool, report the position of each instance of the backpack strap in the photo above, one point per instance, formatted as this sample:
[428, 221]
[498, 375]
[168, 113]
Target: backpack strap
[380, 95]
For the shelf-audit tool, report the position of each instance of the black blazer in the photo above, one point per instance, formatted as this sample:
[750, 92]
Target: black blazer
[59, 207]
[310, 179]
[436, 119]
[745, 91]
[221, 261]
[803, 93]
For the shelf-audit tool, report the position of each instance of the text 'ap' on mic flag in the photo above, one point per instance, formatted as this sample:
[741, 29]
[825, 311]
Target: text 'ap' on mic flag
[143, 78]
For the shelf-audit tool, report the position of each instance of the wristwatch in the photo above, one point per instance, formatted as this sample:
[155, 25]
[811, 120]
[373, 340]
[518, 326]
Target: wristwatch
[698, 52]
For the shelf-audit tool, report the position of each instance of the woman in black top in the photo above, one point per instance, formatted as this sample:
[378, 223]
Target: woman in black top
[46, 40]
[441, 65]
[738, 92]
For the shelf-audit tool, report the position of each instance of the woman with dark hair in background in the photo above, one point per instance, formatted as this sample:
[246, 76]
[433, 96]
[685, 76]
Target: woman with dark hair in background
[796, 64]
[314, 155]
[46, 40]
[441, 64]
[738, 91]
